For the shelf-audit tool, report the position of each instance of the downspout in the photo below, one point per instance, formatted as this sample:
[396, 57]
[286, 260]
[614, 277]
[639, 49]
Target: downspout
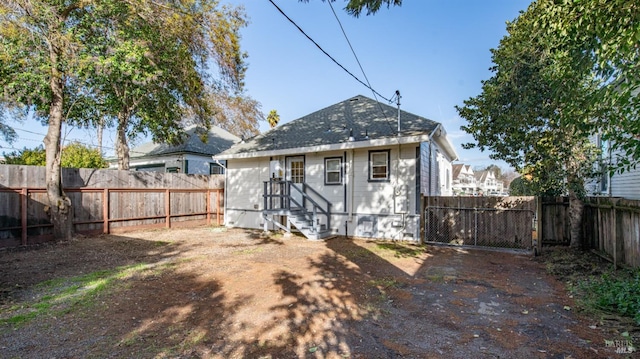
[224, 214]
[345, 188]
[609, 169]
[351, 189]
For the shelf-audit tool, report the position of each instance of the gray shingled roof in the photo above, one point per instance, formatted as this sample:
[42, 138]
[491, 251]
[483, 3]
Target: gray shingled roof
[218, 141]
[359, 116]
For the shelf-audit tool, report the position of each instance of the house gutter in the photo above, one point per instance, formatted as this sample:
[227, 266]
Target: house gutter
[380, 142]
[447, 146]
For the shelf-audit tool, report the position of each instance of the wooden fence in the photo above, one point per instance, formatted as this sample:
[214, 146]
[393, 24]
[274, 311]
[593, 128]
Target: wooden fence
[554, 228]
[485, 221]
[105, 201]
[612, 226]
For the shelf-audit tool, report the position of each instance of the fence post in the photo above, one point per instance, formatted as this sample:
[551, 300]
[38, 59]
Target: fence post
[218, 196]
[23, 215]
[208, 193]
[423, 219]
[475, 227]
[539, 223]
[105, 211]
[167, 208]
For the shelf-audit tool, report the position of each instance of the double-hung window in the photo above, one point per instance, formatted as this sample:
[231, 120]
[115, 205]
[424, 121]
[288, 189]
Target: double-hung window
[333, 170]
[379, 166]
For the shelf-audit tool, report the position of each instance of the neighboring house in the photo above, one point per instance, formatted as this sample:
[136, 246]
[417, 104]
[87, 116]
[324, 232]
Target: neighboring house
[192, 157]
[342, 170]
[620, 184]
[487, 184]
[625, 184]
[464, 180]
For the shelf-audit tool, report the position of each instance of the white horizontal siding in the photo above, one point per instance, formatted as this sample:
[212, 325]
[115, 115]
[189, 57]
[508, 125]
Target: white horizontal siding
[244, 188]
[626, 184]
[364, 199]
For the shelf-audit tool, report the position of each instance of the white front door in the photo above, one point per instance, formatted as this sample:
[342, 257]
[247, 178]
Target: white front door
[295, 174]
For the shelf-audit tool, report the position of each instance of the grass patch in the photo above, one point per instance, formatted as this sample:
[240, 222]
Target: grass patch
[400, 250]
[386, 282]
[249, 250]
[615, 292]
[357, 252]
[61, 295]
[597, 288]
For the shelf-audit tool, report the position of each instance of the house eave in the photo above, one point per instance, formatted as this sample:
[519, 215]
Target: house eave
[380, 142]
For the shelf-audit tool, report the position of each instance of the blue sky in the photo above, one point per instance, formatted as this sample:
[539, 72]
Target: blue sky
[436, 53]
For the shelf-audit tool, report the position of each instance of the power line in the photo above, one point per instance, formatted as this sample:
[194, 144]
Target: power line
[384, 113]
[66, 141]
[324, 52]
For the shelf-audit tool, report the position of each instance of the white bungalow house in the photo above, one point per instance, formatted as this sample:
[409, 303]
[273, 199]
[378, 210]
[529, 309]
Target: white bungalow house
[342, 170]
[191, 157]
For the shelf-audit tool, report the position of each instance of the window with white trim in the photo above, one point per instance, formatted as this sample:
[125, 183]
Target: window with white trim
[333, 170]
[379, 166]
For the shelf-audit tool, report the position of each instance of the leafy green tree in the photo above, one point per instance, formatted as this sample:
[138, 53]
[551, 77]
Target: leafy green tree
[151, 70]
[604, 36]
[356, 7]
[30, 157]
[535, 113]
[74, 155]
[136, 64]
[77, 155]
[38, 57]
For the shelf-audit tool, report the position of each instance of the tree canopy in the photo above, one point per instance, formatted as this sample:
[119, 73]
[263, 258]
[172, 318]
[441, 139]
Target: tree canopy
[141, 65]
[555, 83]
[74, 155]
[370, 7]
[151, 65]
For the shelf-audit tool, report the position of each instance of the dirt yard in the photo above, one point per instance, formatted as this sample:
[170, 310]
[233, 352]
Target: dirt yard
[213, 293]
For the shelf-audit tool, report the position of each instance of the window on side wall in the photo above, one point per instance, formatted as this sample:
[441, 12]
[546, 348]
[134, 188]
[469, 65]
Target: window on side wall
[333, 170]
[215, 169]
[379, 166]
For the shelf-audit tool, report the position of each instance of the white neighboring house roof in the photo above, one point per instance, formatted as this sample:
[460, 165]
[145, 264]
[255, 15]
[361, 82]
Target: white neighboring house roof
[358, 122]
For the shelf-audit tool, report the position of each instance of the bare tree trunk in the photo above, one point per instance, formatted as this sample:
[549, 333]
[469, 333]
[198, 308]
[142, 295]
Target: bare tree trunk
[122, 147]
[60, 209]
[576, 209]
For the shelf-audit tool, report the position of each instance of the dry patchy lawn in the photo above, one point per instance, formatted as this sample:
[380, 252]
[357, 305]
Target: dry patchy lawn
[216, 293]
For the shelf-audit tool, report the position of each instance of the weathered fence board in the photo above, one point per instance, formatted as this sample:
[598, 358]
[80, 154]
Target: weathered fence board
[105, 200]
[555, 221]
[487, 221]
[612, 226]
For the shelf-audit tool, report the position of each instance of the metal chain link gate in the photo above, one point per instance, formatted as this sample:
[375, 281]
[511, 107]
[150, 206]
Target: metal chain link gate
[491, 227]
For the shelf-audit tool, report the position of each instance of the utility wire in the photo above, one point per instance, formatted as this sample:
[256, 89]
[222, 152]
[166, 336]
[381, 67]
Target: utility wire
[324, 52]
[384, 113]
[67, 141]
